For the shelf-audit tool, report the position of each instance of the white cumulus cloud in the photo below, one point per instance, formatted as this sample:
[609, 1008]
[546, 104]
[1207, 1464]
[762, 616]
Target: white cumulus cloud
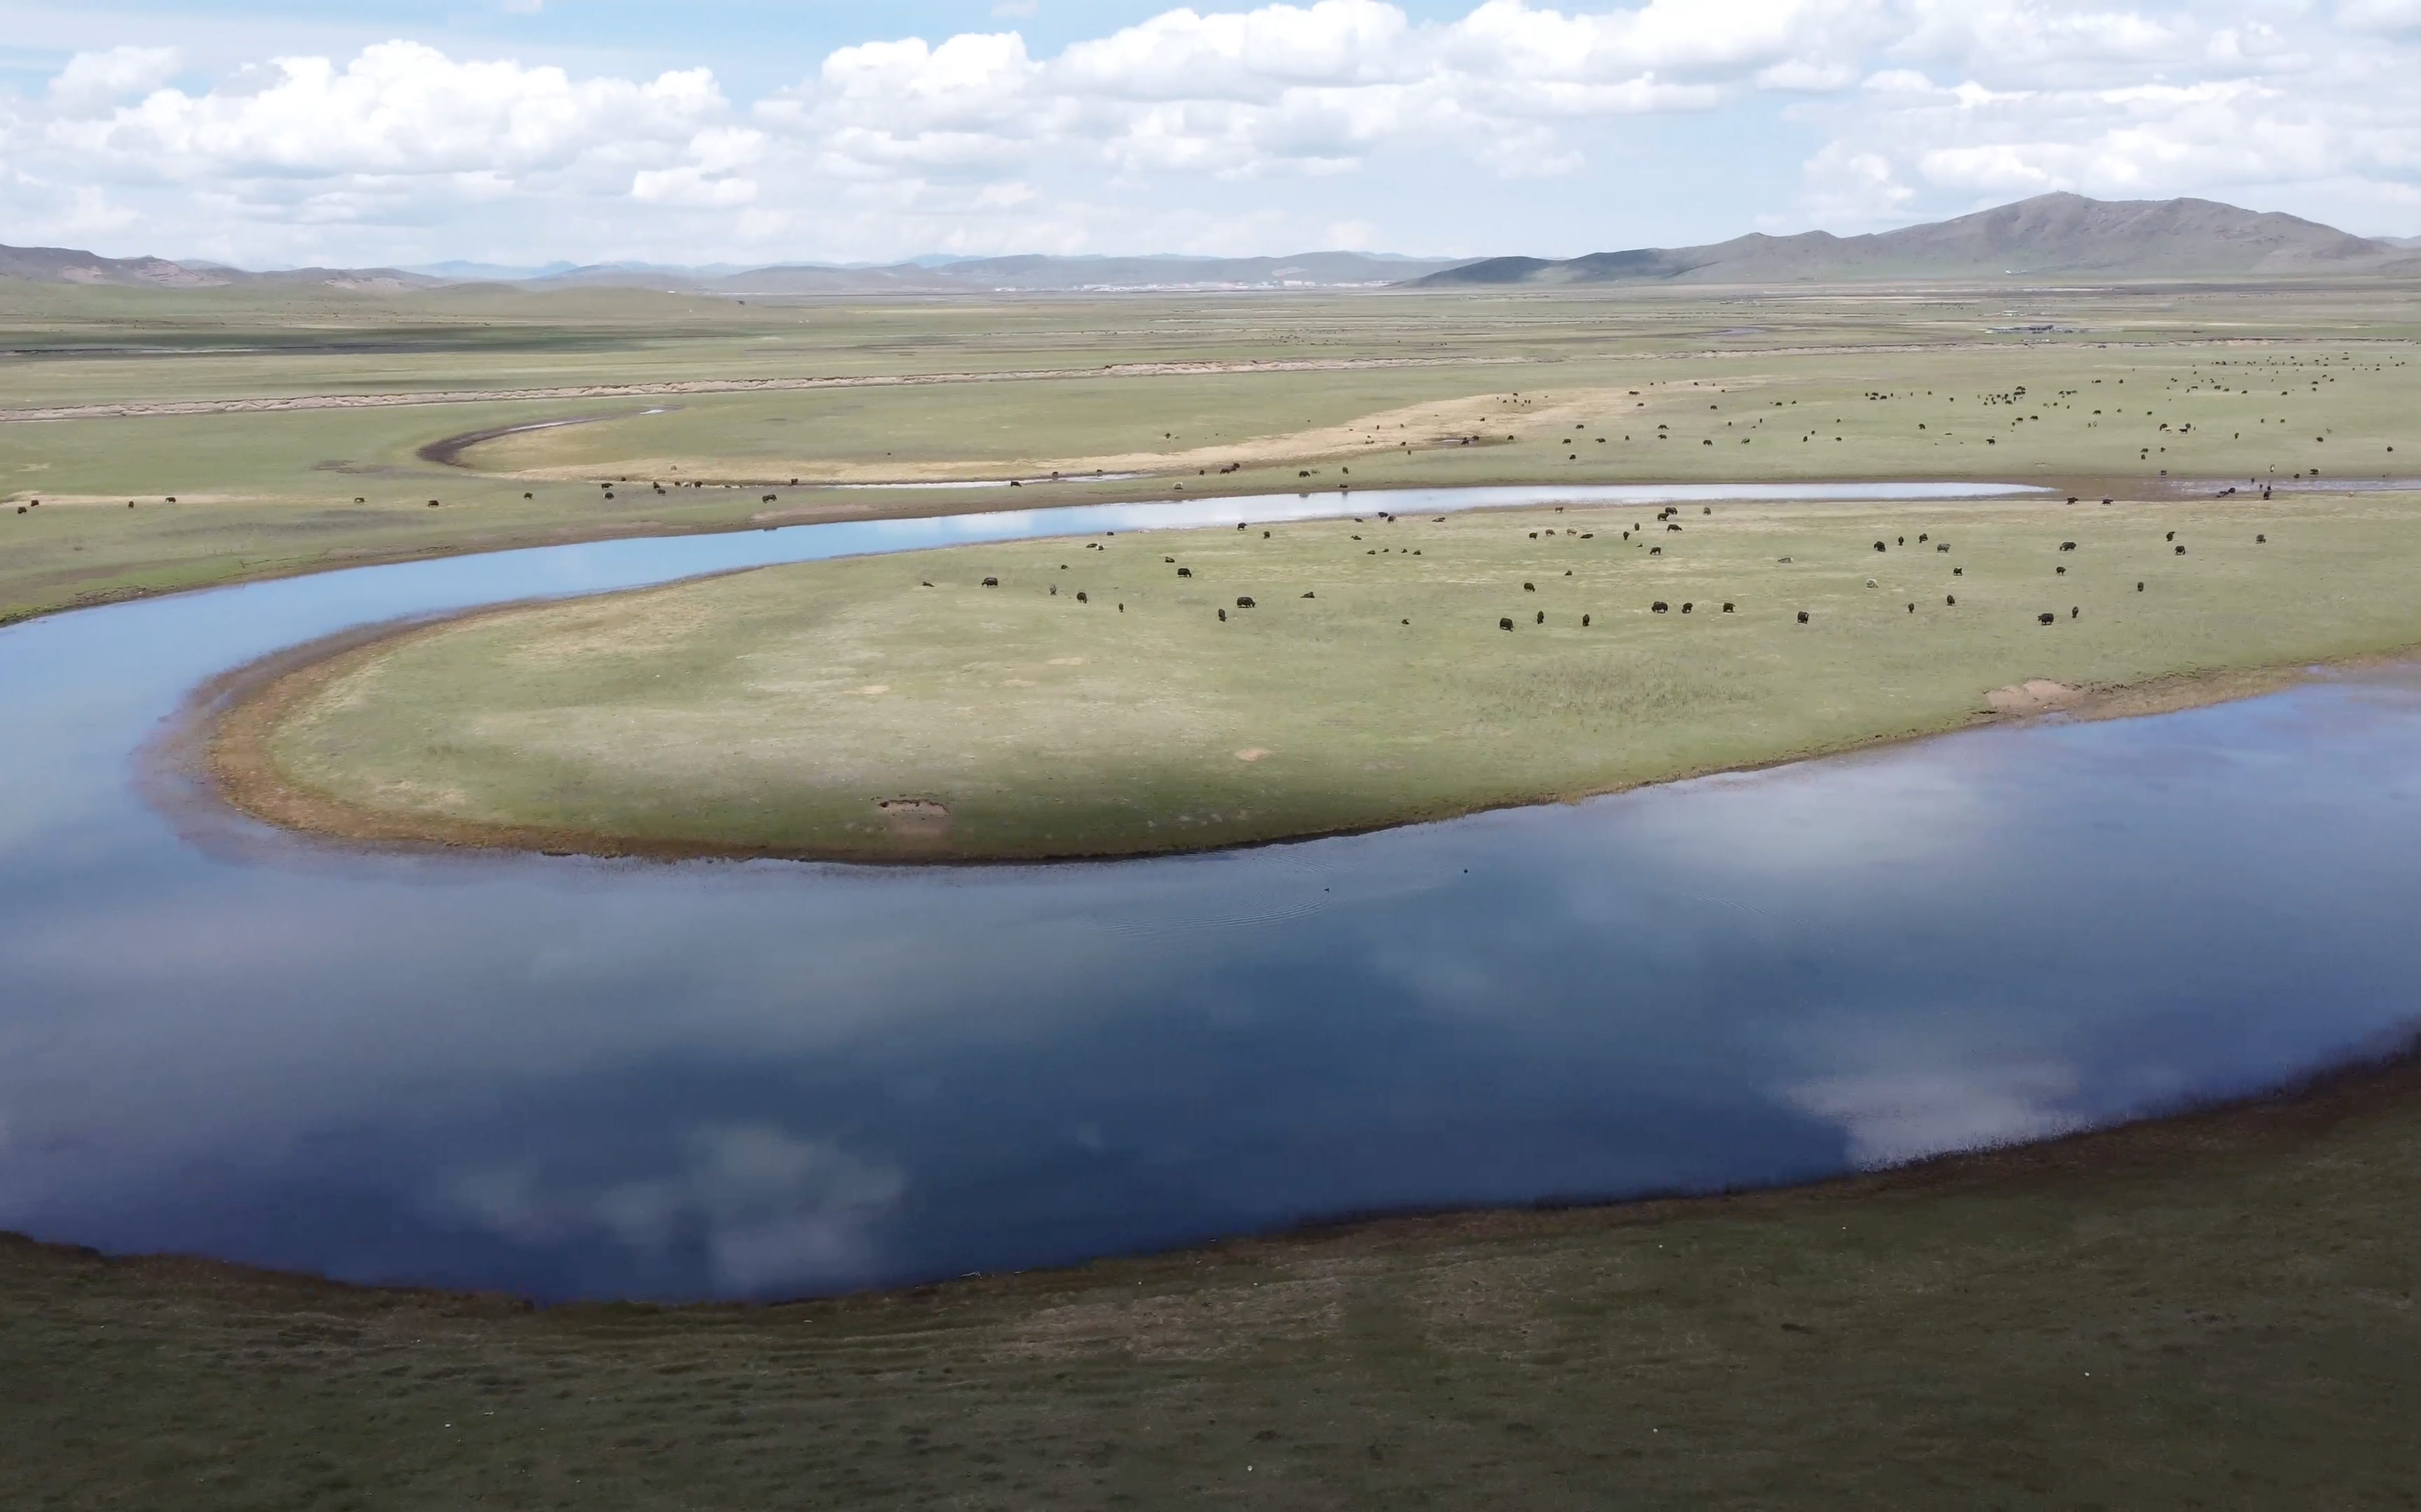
[95, 80]
[1251, 129]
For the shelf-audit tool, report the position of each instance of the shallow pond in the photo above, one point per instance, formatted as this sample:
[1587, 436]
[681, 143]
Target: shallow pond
[570, 1077]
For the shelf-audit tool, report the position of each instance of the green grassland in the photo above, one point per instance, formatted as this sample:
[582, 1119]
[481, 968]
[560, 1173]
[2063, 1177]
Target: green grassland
[2133, 416]
[2217, 1311]
[263, 494]
[791, 710]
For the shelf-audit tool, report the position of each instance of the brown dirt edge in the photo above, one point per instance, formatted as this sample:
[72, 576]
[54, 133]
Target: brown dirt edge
[219, 747]
[446, 451]
[2379, 1080]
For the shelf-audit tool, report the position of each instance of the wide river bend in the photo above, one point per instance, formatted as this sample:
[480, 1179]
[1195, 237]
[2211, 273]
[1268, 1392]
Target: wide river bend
[570, 1077]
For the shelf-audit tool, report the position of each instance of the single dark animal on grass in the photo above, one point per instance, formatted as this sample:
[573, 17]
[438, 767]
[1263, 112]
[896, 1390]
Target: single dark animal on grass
[2046, 619]
[1802, 616]
[992, 582]
[1657, 608]
[1504, 624]
[1244, 603]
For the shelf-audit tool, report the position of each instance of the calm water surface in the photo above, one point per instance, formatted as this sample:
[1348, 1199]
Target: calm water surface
[571, 1077]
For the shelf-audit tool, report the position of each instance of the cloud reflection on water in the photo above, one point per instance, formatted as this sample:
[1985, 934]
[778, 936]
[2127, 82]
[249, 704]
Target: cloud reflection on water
[1892, 1117]
[770, 1210]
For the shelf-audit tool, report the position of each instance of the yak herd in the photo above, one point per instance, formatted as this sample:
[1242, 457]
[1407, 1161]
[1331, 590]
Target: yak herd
[1657, 607]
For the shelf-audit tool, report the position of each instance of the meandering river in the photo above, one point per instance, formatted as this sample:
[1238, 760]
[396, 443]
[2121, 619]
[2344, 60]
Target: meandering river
[569, 1077]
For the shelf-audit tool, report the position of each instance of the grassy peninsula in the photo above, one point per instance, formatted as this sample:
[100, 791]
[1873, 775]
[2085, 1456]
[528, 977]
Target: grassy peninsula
[1117, 695]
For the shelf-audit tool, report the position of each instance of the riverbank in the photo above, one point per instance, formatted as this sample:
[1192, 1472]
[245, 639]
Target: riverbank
[2211, 1308]
[896, 708]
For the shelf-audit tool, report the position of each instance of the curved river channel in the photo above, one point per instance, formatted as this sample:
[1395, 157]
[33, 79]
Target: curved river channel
[569, 1077]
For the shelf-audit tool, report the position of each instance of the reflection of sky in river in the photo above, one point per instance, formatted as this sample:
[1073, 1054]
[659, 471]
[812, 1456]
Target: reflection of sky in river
[574, 1076]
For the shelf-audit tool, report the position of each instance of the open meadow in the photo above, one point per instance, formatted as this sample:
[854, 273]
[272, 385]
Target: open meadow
[291, 431]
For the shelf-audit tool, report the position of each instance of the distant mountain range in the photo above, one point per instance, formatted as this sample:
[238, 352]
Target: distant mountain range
[2049, 236]
[923, 275]
[64, 265]
[1034, 274]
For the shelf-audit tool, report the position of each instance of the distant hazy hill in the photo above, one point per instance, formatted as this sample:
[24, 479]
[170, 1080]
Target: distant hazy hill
[65, 265]
[2050, 234]
[1311, 269]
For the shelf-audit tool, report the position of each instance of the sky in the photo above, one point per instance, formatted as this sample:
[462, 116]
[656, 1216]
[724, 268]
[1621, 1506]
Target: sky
[400, 133]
